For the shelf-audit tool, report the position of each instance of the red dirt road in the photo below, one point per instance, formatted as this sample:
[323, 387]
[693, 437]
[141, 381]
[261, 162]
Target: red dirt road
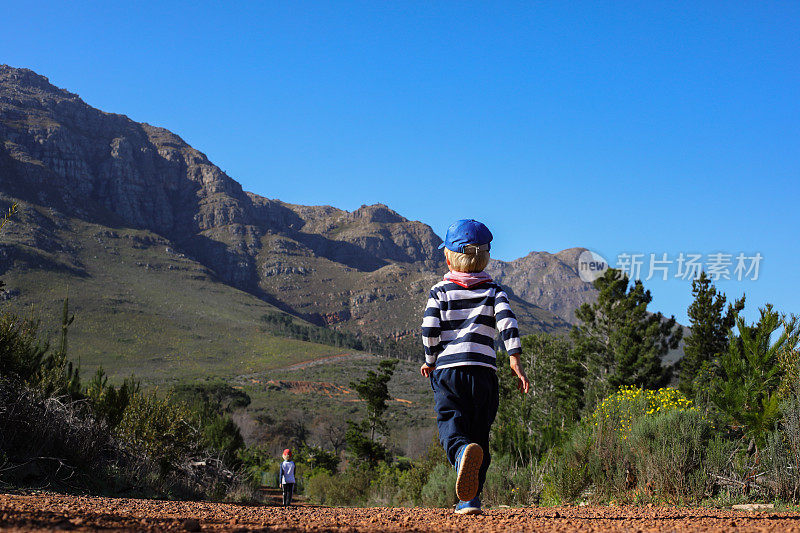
[48, 512]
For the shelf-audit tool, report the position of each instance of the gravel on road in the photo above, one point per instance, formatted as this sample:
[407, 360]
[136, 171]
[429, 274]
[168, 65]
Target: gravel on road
[49, 512]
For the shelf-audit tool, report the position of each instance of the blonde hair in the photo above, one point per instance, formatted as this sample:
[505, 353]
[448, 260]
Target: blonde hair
[467, 262]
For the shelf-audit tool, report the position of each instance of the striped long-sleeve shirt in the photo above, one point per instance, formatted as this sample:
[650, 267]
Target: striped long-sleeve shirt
[461, 322]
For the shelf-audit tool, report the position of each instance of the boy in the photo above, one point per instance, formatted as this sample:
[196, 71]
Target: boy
[464, 313]
[287, 477]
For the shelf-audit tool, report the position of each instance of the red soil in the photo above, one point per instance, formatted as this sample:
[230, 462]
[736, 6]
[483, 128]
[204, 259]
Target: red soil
[47, 512]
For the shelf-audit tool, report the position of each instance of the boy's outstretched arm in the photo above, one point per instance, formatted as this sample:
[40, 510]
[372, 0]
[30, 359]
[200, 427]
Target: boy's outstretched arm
[522, 379]
[509, 332]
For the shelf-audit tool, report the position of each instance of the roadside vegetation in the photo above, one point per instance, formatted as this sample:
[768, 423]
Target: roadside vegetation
[605, 423]
[605, 420]
[58, 432]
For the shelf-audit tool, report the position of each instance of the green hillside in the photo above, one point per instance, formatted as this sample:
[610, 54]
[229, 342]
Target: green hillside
[140, 307]
[319, 394]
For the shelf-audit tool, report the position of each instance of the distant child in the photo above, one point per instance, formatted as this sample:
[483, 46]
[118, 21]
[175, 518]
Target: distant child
[464, 313]
[287, 477]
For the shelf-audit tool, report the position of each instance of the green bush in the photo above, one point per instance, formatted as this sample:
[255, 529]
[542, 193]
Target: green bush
[637, 443]
[349, 487]
[102, 437]
[440, 489]
[509, 484]
[413, 479]
[614, 464]
[221, 433]
[160, 428]
[783, 448]
[318, 458]
[219, 395]
[667, 452]
[108, 401]
[259, 466]
[608, 466]
[384, 486]
[21, 352]
[568, 475]
[320, 488]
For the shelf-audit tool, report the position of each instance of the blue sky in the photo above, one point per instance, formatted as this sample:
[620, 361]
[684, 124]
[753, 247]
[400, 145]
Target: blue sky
[624, 127]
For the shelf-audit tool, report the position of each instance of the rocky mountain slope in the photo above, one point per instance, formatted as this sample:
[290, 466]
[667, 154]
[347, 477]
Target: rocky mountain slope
[550, 280]
[74, 167]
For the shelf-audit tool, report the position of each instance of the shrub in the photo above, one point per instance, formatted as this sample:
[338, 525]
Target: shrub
[650, 439]
[568, 476]
[53, 433]
[159, 428]
[220, 433]
[618, 411]
[783, 448]
[412, 481]
[46, 439]
[21, 352]
[607, 465]
[667, 452]
[440, 489]
[349, 487]
[109, 402]
[218, 394]
[654, 440]
[509, 484]
[384, 486]
[320, 488]
[259, 466]
[319, 458]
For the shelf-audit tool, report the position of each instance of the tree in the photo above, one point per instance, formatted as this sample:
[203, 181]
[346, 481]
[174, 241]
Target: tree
[21, 351]
[57, 375]
[110, 402]
[331, 433]
[319, 458]
[374, 391]
[710, 331]
[222, 434]
[619, 342]
[749, 375]
[528, 425]
[3, 221]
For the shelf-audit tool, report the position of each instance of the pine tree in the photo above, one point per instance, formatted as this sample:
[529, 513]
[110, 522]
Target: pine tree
[619, 342]
[528, 425]
[374, 390]
[3, 221]
[749, 374]
[57, 374]
[710, 330]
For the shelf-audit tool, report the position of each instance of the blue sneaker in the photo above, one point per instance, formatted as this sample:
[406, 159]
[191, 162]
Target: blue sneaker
[468, 465]
[471, 507]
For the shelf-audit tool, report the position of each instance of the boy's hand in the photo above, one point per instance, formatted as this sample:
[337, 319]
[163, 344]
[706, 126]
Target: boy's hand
[522, 380]
[426, 370]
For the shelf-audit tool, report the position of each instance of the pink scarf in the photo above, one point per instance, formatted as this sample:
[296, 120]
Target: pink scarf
[467, 279]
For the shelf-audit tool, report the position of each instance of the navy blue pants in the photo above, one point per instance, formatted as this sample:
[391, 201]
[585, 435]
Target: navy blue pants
[466, 399]
[288, 490]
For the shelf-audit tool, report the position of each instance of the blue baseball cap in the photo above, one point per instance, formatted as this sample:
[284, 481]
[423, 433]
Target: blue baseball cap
[467, 231]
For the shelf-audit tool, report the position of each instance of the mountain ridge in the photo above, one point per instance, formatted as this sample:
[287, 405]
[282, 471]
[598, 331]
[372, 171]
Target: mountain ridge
[364, 270]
